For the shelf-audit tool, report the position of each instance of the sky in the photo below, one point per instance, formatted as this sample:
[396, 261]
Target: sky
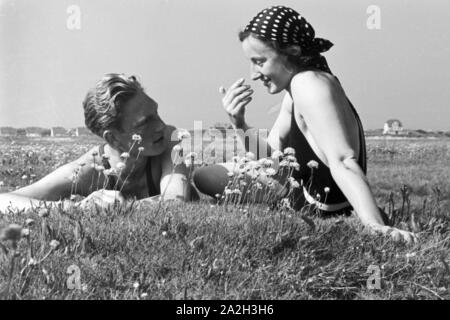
[182, 51]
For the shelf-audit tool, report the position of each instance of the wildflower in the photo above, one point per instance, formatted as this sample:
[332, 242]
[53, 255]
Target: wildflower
[25, 232]
[289, 151]
[291, 158]
[136, 285]
[284, 163]
[141, 149]
[144, 295]
[99, 168]
[294, 184]
[228, 191]
[177, 148]
[268, 163]
[24, 177]
[237, 191]
[326, 189]
[13, 233]
[217, 195]
[136, 137]
[318, 196]
[313, 164]
[29, 222]
[271, 172]
[54, 244]
[295, 165]
[183, 134]
[164, 233]
[230, 174]
[250, 156]
[124, 156]
[110, 172]
[2, 183]
[259, 185]
[32, 262]
[120, 166]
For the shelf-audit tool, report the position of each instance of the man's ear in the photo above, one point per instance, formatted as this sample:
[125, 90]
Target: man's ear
[109, 137]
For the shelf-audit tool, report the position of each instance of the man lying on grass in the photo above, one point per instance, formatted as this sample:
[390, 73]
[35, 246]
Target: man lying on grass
[134, 162]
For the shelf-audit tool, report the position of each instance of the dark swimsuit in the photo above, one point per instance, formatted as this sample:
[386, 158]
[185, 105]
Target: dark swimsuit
[315, 180]
[152, 190]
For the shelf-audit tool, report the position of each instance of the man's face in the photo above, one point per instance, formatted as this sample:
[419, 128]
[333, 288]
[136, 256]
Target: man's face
[139, 115]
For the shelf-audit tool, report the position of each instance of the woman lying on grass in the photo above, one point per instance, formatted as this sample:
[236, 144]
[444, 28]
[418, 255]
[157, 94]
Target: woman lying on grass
[134, 162]
[316, 119]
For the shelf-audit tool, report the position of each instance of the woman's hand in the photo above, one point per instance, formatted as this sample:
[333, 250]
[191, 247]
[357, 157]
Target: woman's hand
[396, 234]
[234, 101]
[102, 198]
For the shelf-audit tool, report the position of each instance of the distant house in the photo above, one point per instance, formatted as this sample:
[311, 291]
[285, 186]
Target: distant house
[393, 126]
[34, 131]
[58, 132]
[79, 131]
[8, 131]
[21, 132]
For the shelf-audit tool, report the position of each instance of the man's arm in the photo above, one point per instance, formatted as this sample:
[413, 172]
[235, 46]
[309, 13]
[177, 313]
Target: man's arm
[61, 183]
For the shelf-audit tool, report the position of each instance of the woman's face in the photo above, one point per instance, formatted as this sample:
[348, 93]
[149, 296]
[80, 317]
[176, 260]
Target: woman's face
[267, 65]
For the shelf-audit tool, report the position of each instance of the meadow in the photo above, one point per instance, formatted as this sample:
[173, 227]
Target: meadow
[211, 250]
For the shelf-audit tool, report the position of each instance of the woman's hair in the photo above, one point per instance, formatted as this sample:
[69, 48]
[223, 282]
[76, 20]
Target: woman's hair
[295, 57]
[103, 103]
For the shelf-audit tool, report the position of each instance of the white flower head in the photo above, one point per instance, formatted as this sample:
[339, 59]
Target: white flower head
[289, 151]
[277, 154]
[141, 149]
[124, 156]
[99, 168]
[271, 172]
[24, 177]
[177, 148]
[183, 134]
[230, 174]
[137, 138]
[313, 164]
[295, 165]
[54, 244]
[326, 189]
[120, 166]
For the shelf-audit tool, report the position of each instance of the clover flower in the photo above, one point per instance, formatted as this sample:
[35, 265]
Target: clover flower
[289, 151]
[183, 134]
[313, 164]
[291, 158]
[99, 168]
[295, 165]
[124, 156]
[294, 183]
[120, 166]
[141, 149]
[271, 172]
[25, 232]
[277, 154]
[137, 138]
[326, 189]
[54, 244]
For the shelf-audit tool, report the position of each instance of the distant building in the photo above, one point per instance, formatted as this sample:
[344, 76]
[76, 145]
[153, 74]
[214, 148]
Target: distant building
[34, 131]
[79, 131]
[21, 132]
[58, 132]
[8, 131]
[393, 126]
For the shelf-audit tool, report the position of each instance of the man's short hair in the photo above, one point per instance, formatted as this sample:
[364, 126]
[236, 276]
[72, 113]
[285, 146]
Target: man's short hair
[103, 103]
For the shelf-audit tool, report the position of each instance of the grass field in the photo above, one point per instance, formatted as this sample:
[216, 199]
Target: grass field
[209, 251]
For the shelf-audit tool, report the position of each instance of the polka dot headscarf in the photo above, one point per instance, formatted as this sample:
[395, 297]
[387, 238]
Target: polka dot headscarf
[287, 27]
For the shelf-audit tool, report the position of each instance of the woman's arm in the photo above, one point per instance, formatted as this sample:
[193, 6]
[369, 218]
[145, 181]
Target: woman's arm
[324, 107]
